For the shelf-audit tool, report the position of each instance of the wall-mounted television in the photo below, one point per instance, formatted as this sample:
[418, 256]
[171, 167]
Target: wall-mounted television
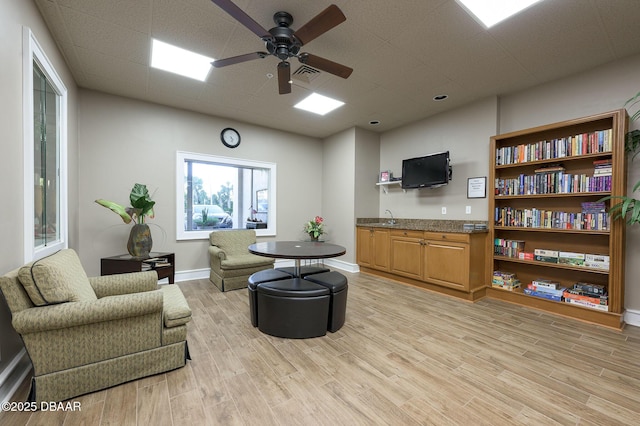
[429, 171]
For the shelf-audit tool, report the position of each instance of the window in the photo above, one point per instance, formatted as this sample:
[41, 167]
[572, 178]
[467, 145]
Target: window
[45, 142]
[217, 192]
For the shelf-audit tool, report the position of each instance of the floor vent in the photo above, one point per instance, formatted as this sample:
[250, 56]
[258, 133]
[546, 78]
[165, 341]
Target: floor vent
[306, 74]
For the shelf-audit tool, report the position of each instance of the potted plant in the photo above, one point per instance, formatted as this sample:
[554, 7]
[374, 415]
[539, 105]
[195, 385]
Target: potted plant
[314, 228]
[626, 206]
[140, 242]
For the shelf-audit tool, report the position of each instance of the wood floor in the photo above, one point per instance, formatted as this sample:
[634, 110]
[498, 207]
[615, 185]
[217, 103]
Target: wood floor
[405, 356]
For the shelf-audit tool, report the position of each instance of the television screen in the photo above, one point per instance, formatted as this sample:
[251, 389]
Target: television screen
[426, 172]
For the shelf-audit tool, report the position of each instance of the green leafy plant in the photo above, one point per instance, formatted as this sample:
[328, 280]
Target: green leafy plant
[626, 206]
[314, 227]
[141, 205]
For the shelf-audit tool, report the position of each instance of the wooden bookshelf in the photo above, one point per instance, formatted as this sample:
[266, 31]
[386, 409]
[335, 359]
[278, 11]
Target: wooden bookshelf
[516, 189]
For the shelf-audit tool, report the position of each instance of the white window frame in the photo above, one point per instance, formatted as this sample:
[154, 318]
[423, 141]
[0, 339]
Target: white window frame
[32, 51]
[182, 156]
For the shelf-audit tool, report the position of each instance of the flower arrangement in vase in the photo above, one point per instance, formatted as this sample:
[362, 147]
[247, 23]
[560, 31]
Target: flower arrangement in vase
[314, 228]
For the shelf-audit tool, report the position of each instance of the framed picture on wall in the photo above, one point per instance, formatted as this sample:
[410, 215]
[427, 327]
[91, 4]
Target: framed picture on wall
[477, 187]
[385, 176]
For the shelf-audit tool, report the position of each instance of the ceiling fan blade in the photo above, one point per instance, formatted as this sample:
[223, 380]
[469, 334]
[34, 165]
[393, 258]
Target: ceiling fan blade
[325, 65]
[240, 16]
[320, 24]
[284, 77]
[240, 58]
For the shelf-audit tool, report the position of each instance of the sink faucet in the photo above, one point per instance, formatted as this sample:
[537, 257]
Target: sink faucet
[392, 221]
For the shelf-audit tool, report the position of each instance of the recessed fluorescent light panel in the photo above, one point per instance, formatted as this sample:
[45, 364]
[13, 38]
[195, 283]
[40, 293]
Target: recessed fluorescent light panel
[180, 61]
[318, 104]
[490, 12]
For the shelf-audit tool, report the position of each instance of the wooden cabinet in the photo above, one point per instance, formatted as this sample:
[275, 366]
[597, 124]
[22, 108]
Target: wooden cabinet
[406, 253]
[545, 181]
[372, 249]
[447, 263]
[433, 260]
[455, 260]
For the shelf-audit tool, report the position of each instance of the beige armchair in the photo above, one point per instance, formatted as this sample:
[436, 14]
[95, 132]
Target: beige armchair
[85, 334]
[231, 262]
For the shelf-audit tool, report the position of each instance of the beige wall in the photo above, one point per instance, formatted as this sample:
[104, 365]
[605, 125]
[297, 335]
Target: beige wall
[338, 194]
[465, 133]
[366, 164]
[126, 141]
[16, 14]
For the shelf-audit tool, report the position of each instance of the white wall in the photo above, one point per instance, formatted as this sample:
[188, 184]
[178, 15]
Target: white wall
[465, 133]
[16, 14]
[126, 141]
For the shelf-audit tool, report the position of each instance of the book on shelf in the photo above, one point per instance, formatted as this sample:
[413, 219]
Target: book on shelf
[524, 255]
[599, 141]
[509, 248]
[542, 255]
[587, 304]
[571, 258]
[505, 280]
[558, 291]
[542, 295]
[544, 283]
[590, 289]
[578, 295]
[157, 262]
[597, 261]
[550, 168]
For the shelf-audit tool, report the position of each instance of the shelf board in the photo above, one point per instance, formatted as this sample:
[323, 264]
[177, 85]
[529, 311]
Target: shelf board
[554, 195]
[555, 160]
[551, 265]
[552, 230]
[608, 319]
[384, 185]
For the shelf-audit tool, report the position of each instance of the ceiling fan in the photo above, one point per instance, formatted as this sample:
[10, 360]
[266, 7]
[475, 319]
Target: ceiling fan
[284, 43]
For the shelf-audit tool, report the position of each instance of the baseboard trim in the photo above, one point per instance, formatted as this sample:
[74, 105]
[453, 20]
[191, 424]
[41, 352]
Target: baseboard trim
[632, 317]
[194, 274]
[14, 374]
[200, 274]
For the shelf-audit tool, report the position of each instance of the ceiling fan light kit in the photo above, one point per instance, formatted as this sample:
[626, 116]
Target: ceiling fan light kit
[283, 42]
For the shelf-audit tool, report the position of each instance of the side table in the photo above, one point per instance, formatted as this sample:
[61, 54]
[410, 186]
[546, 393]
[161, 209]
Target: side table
[124, 263]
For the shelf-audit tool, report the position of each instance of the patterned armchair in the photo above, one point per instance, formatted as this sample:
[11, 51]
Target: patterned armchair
[85, 334]
[231, 262]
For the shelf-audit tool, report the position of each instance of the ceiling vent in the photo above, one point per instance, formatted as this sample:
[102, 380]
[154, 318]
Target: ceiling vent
[306, 74]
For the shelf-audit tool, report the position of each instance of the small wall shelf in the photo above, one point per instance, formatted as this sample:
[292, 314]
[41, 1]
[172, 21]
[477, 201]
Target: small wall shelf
[384, 185]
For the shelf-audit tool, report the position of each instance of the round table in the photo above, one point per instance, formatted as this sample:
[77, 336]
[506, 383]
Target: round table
[297, 250]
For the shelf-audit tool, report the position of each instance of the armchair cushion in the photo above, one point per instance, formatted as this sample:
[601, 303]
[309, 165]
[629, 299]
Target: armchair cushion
[175, 308]
[56, 279]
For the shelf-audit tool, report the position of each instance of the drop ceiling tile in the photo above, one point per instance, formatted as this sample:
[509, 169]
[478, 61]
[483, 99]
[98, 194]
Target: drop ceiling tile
[100, 66]
[55, 21]
[101, 36]
[173, 84]
[124, 13]
[199, 29]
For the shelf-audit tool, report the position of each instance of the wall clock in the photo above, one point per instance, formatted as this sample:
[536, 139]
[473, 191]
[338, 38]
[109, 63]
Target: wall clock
[230, 137]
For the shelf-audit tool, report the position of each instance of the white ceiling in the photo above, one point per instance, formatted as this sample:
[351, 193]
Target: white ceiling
[403, 52]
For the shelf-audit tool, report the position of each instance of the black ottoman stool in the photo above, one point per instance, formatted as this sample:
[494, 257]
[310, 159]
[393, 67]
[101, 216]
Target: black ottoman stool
[304, 270]
[293, 308]
[337, 284]
[257, 278]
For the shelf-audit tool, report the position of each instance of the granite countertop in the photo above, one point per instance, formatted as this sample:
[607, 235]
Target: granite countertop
[435, 225]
